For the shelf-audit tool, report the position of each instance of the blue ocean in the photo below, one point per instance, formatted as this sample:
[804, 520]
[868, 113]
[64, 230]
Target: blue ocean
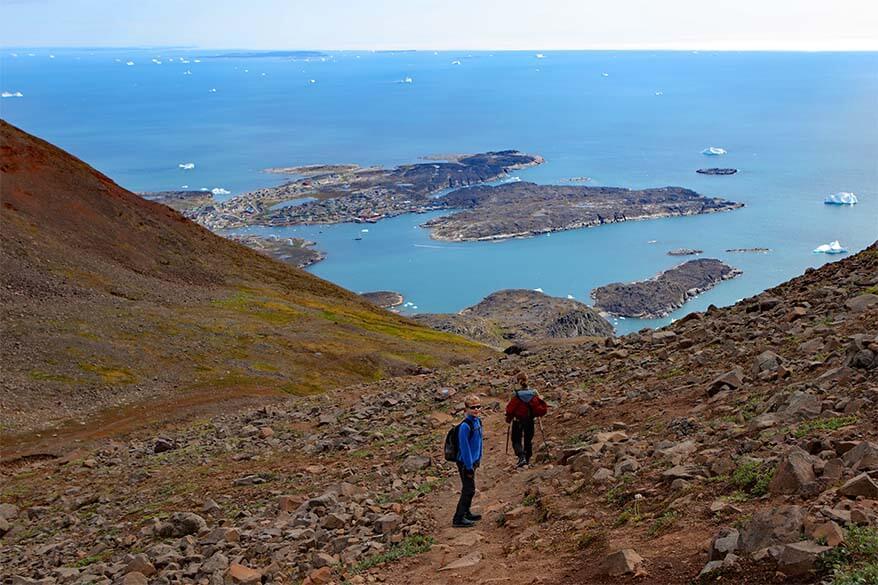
[798, 126]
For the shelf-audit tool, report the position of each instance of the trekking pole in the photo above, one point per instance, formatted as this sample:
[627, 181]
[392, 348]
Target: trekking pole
[508, 431]
[543, 433]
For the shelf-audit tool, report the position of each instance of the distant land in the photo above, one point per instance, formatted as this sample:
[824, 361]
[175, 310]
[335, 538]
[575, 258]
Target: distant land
[659, 296]
[527, 209]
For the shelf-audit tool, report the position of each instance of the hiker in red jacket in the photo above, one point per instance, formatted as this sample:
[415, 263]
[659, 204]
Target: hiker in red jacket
[521, 411]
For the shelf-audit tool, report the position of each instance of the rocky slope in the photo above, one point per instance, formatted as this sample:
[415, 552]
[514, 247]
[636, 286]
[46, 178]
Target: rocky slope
[740, 442]
[513, 316]
[110, 301]
[525, 209]
[664, 293]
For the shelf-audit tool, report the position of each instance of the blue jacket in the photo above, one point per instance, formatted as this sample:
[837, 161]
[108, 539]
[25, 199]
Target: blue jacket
[470, 442]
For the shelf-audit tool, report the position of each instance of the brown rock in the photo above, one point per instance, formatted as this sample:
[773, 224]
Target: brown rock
[863, 456]
[244, 575]
[773, 526]
[794, 472]
[830, 532]
[862, 485]
[862, 302]
[800, 557]
[140, 564]
[321, 576]
[622, 562]
[731, 380]
[135, 578]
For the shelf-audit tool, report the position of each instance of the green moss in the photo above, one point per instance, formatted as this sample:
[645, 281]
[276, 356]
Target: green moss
[824, 424]
[408, 547]
[41, 376]
[663, 523]
[108, 374]
[753, 477]
[855, 561]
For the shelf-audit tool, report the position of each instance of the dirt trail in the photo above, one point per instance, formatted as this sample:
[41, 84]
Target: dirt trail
[508, 553]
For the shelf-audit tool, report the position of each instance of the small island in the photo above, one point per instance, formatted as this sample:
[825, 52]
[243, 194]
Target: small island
[509, 316]
[668, 291]
[386, 299]
[348, 193]
[522, 209]
[716, 171]
[295, 251]
[750, 250]
[685, 252]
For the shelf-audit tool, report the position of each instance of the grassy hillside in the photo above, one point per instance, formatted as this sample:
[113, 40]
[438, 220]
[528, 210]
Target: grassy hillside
[109, 300]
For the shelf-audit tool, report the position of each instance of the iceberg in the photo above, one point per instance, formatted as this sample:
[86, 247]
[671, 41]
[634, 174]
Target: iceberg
[187, 72]
[659, 92]
[11, 94]
[456, 62]
[212, 90]
[186, 166]
[539, 290]
[831, 248]
[714, 151]
[841, 198]
[220, 191]
[540, 56]
[605, 74]
[130, 63]
[408, 80]
[312, 81]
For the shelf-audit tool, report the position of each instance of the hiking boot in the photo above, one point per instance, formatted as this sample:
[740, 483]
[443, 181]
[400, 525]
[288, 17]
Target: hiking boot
[472, 517]
[521, 462]
[463, 523]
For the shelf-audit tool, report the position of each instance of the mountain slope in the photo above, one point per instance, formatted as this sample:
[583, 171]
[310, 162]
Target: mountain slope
[109, 299]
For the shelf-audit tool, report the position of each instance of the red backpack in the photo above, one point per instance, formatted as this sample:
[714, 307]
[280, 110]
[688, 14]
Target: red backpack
[521, 409]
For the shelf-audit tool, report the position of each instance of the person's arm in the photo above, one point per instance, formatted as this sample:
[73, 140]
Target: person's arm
[466, 455]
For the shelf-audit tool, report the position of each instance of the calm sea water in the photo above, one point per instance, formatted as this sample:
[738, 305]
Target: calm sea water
[798, 126]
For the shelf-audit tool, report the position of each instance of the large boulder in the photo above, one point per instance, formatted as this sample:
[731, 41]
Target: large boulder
[795, 471]
[767, 361]
[861, 485]
[181, 524]
[773, 526]
[725, 542]
[800, 558]
[731, 380]
[862, 457]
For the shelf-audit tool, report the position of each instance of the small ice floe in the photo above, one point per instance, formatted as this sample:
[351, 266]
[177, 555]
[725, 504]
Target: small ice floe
[714, 151]
[539, 290]
[407, 79]
[659, 92]
[570, 297]
[204, 189]
[197, 61]
[14, 54]
[262, 74]
[212, 90]
[831, 248]
[605, 74]
[184, 61]
[11, 94]
[184, 186]
[220, 191]
[51, 56]
[187, 166]
[414, 306]
[187, 72]
[456, 62]
[652, 241]
[312, 81]
[841, 198]
[156, 61]
[129, 63]
[364, 230]
[540, 56]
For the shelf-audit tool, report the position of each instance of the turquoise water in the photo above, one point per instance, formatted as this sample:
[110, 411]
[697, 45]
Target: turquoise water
[798, 126]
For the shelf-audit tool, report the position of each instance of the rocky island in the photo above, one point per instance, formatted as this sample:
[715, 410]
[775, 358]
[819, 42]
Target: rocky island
[685, 252]
[664, 293]
[716, 171]
[295, 251]
[348, 193]
[509, 316]
[525, 209]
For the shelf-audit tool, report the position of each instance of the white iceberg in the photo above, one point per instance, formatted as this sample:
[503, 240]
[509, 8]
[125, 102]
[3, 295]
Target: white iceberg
[220, 191]
[659, 92]
[365, 231]
[831, 248]
[540, 56]
[539, 290]
[51, 56]
[186, 166]
[187, 72]
[156, 61]
[11, 94]
[714, 151]
[212, 90]
[841, 198]
[407, 79]
[605, 74]
[129, 63]
[570, 297]
[197, 61]
[312, 81]
[456, 62]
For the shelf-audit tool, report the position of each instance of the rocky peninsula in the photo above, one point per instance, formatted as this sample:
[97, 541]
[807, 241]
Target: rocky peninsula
[526, 209]
[295, 251]
[509, 316]
[348, 193]
[658, 296]
[386, 299]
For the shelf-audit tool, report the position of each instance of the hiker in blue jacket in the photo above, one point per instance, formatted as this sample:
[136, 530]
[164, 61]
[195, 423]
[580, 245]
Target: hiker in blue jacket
[469, 440]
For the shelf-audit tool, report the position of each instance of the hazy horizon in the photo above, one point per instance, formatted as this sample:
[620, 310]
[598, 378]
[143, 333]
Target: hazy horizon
[449, 25]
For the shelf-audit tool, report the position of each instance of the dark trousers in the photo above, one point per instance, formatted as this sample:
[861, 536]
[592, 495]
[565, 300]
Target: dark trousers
[523, 428]
[467, 491]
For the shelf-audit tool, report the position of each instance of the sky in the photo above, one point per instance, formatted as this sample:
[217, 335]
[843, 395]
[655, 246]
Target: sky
[823, 25]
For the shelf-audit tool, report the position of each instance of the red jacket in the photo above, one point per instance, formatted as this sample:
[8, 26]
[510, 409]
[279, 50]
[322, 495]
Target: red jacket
[525, 404]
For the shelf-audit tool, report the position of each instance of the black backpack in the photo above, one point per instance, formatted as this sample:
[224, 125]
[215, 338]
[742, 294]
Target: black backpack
[452, 447]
